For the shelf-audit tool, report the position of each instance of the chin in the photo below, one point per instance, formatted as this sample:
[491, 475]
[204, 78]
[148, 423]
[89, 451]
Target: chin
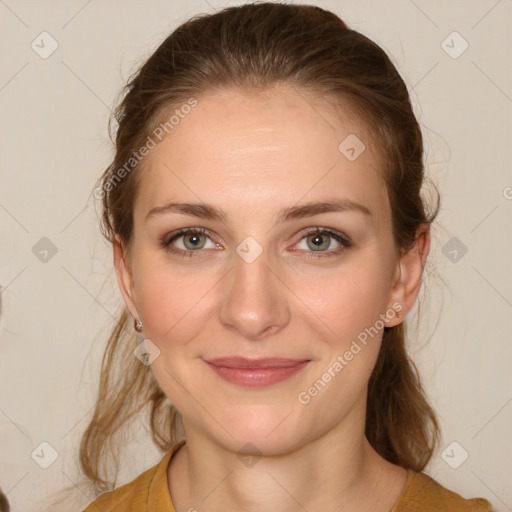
[258, 444]
[260, 432]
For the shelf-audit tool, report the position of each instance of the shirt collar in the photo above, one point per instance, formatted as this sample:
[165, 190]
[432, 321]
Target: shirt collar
[159, 496]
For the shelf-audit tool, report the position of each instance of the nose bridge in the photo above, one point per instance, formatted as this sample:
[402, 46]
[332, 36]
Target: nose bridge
[255, 301]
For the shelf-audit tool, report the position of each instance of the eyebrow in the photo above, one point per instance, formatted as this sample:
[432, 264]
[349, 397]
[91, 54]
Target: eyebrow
[206, 211]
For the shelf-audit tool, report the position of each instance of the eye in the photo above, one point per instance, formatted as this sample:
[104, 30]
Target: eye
[319, 240]
[193, 240]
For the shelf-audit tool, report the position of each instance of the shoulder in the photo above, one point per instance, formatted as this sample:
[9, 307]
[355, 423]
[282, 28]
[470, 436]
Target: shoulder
[423, 493]
[148, 491]
[133, 495]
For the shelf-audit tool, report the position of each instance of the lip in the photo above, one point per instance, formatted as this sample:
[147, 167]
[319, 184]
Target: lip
[260, 372]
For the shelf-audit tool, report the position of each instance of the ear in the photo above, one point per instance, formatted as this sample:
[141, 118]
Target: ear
[410, 268]
[124, 275]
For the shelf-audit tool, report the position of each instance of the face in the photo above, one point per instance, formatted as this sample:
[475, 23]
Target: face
[260, 276]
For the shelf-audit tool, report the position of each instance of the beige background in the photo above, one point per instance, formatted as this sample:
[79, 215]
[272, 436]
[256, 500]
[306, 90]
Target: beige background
[54, 144]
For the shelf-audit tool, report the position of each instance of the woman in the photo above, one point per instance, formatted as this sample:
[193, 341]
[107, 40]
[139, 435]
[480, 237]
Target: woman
[269, 237]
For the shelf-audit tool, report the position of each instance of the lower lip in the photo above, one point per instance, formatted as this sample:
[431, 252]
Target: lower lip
[257, 377]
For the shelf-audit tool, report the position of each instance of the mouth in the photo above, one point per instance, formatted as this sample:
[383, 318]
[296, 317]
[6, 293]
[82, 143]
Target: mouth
[256, 372]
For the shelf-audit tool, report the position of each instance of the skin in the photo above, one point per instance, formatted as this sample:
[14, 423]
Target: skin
[253, 154]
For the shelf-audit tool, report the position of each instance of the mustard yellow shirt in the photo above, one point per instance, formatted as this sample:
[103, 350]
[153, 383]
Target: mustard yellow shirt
[149, 492]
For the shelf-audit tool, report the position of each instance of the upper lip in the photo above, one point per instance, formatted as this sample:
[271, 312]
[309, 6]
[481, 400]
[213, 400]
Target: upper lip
[243, 362]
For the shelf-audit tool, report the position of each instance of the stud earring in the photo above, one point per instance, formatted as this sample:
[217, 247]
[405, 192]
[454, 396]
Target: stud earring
[137, 324]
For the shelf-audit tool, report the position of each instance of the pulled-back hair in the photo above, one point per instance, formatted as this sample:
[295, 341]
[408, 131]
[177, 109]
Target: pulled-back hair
[257, 46]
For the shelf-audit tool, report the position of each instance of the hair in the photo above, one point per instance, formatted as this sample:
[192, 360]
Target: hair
[257, 46]
[4, 502]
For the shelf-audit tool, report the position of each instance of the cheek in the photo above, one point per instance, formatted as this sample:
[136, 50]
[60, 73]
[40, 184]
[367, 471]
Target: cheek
[344, 301]
[174, 303]
[349, 305]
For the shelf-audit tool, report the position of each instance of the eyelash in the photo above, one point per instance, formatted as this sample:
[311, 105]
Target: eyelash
[341, 238]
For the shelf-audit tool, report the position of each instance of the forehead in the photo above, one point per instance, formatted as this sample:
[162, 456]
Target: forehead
[256, 151]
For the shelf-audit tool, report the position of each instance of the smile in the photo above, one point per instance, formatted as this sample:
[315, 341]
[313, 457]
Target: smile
[256, 372]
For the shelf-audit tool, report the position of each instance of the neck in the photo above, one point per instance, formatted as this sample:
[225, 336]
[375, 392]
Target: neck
[339, 470]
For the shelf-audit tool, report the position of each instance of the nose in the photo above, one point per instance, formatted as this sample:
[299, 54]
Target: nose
[255, 300]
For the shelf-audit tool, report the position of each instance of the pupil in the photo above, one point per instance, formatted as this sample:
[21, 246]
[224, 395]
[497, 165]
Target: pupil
[318, 240]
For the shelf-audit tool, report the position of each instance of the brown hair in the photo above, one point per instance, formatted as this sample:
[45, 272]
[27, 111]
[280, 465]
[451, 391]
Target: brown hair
[4, 503]
[257, 46]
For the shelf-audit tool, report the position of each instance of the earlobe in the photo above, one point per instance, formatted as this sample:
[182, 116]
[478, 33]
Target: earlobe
[124, 275]
[407, 283]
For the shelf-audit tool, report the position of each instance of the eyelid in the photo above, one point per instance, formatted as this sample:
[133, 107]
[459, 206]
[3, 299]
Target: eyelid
[175, 235]
[323, 230]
